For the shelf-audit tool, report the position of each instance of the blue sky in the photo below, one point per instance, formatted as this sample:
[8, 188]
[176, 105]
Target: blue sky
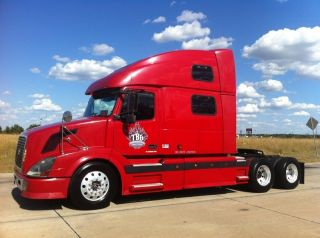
[51, 51]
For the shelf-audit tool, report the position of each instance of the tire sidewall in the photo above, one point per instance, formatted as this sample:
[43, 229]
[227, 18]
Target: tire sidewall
[77, 197]
[253, 183]
[282, 181]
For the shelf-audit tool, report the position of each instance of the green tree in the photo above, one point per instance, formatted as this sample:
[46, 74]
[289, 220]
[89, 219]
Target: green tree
[7, 130]
[33, 126]
[16, 129]
[0, 129]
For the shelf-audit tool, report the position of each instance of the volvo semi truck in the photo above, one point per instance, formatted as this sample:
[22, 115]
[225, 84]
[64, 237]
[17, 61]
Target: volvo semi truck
[167, 122]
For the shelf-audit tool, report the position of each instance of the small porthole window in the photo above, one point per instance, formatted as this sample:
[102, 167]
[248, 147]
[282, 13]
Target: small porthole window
[204, 105]
[202, 73]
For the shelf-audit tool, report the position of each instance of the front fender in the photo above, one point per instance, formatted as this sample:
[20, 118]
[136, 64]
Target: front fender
[67, 164]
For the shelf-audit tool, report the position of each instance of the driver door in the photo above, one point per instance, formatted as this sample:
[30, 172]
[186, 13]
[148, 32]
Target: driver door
[139, 143]
[141, 138]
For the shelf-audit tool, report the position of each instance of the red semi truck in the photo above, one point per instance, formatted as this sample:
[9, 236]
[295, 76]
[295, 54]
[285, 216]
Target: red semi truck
[167, 122]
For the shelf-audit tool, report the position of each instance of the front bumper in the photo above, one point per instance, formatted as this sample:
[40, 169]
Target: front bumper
[42, 188]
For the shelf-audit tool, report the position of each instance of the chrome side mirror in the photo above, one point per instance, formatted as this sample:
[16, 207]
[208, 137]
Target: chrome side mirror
[67, 116]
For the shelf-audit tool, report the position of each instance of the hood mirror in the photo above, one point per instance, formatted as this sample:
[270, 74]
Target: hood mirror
[67, 116]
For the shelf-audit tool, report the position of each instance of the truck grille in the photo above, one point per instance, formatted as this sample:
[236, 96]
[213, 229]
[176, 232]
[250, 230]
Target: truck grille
[20, 150]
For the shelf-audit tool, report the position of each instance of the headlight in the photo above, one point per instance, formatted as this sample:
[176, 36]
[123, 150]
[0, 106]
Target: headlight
[42, 168]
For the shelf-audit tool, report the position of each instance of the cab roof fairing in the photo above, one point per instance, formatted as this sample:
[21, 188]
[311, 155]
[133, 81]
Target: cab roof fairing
[167, 69]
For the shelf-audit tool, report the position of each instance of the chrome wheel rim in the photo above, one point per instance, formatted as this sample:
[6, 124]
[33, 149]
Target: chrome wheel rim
[95, 186]
[263, 175]
[292, 173]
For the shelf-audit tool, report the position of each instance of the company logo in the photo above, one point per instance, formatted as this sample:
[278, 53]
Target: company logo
[137, 136]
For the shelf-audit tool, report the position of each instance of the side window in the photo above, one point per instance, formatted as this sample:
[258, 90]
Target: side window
[203, 105]
[145, 106]
[202, 72]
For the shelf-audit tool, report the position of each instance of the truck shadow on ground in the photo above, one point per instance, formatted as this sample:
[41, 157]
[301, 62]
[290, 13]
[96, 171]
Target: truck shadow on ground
[29, 204]
[198, 192]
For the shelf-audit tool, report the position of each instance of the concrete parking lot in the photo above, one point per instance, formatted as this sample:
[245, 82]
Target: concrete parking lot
[218, 212]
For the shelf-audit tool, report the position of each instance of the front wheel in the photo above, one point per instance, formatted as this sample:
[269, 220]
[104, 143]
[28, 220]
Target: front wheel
[93, 186]
[261, 176]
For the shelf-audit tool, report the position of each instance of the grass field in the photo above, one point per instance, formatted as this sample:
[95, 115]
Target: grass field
[302, 149]
[8, 145]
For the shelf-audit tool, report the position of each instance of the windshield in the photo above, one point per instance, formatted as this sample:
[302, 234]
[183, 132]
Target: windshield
[101, 103]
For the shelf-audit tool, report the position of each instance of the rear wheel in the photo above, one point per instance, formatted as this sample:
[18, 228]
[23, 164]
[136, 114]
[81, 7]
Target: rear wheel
[93, 186]
[287, 173]
[261, 176]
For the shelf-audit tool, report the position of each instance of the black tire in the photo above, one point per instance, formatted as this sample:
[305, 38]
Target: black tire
[261, 176]
[287, 173]
[93, 186]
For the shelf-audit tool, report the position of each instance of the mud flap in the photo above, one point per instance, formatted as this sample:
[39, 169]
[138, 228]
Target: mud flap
[301, 172]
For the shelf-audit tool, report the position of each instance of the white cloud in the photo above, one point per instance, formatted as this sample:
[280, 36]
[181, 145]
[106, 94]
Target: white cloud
[249, 108]
[98, 49]
[181, 32]
[6, 93]
[270, 85]
[50, 118]
[264, 103]
[287, 122]
[159, 19]
[85, 49]
[61, 59]
[4, 104]
[301, 113]
[86, 69]
[102, 49]
[191, 33]
[245, 90]
[283, 50]
[35, 70]
[38, 95]
[79, 110]
[286, 44]
[270, 69]
[7, 113]
[242, 115]
[190, 16]
[284, 102]
[311, 70]
[6, 117]
[247, 100]
[305, 106]
[207, 43]
[281, 102]
[173, 3]
[147, 21]
[44, 104]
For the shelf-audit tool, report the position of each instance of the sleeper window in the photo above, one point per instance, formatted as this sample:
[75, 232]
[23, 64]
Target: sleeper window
[203, 105]
[202, 73]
